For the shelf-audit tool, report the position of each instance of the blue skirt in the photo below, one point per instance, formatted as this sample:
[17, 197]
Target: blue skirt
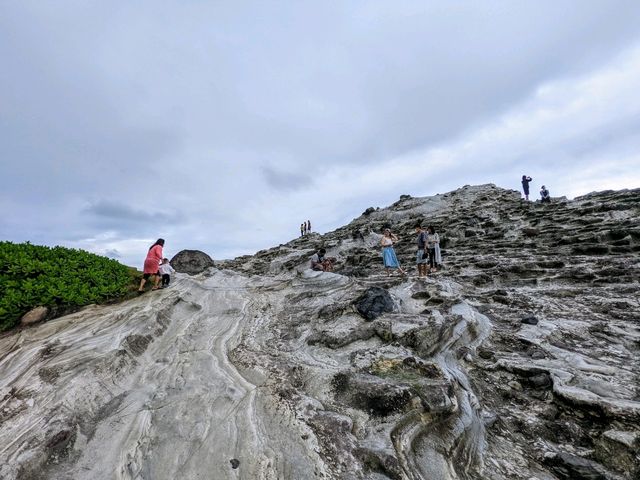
[389, 258]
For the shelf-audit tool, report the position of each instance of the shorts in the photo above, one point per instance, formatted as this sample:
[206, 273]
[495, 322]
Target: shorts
[419, 259]
[147, 275]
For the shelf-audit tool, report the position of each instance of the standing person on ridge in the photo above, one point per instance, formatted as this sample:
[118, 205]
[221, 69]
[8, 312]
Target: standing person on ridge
[422, 254]
[152, 265]
[389, 258]
[433, 246]
[308, 226]
[525, 186]
[302, 229]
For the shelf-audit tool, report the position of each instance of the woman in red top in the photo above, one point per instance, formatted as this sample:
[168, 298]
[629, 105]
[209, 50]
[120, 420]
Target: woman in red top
[152, 265]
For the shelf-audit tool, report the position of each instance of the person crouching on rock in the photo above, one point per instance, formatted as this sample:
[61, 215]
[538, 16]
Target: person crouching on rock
[545, 196]
[152, 265]
[321, 263]
[422, 254]
[433, 247]
[166, 270]
[389, 258]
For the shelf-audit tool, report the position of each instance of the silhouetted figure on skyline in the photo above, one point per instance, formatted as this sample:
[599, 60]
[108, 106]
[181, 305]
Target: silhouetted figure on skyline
[525, 186]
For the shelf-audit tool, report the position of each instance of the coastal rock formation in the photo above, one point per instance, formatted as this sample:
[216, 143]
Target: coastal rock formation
[192, 262]
[517, 360]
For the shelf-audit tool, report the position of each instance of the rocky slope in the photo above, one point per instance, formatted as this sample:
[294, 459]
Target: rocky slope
[519, 360]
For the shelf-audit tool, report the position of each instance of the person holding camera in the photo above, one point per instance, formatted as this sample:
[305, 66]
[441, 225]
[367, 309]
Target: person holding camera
[525, 186]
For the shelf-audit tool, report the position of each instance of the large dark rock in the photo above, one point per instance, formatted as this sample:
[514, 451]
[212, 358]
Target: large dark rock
[371, 394]
[572, 467]
[368, 211]
[374, 302]
[191, 262]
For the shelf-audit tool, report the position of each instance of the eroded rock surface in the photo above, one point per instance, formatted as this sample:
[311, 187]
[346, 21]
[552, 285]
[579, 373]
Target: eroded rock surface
[518, 360]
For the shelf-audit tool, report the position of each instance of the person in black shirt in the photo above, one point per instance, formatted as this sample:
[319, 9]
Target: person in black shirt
[525, 186]
[422, 254]
[545, 196]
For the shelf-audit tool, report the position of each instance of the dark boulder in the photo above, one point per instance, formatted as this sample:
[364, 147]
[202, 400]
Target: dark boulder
[486, 354]
[368, 211]
[540, 380]
[374, 302]
[530, 232]
[191, 262]
[572, 467]
[371, 394]
[529, 320]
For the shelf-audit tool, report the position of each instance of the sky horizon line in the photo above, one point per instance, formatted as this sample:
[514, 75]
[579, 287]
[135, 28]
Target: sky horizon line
[533, 198]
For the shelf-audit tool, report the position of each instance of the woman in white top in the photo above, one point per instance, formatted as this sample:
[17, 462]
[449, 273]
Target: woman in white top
[388, 253]
[433, 247]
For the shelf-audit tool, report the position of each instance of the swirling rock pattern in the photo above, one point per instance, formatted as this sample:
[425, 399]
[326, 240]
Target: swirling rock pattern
[266, 370]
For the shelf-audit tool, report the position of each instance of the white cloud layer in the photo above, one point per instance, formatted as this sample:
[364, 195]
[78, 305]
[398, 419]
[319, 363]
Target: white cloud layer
[223, 126]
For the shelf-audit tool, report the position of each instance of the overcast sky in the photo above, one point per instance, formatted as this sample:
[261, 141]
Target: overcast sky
[221, 126]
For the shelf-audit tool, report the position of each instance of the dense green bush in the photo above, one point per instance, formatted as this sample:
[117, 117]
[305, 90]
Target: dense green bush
[59, 278]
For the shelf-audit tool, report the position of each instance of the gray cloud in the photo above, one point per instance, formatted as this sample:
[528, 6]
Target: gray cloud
[124, 213]
[286, 181]
[228, 108]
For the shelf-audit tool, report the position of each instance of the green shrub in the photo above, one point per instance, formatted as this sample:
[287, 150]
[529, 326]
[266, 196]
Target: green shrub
[59, 278]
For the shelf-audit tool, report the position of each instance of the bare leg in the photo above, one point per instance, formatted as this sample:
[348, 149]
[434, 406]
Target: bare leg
[142, 282]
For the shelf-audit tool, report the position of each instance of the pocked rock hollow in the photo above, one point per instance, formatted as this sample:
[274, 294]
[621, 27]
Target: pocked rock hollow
[518, 361]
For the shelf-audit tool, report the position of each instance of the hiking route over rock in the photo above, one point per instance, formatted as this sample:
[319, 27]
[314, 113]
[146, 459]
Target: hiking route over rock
[517, 361]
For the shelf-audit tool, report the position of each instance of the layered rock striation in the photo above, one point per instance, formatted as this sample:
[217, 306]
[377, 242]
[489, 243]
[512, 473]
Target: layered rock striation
[518, 360]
